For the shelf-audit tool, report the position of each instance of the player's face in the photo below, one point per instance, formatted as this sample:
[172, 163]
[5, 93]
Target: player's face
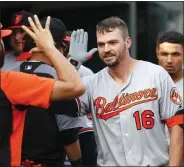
[2, 50]
[112, 47]
[16, 40]
[170, 57]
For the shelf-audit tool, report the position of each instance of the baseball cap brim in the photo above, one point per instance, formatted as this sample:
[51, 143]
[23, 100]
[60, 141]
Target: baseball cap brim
[17, 27]
[5, 33]
[67, 39]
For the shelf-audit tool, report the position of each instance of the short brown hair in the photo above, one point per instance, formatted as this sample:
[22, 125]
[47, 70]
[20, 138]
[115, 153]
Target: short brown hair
[110, 24]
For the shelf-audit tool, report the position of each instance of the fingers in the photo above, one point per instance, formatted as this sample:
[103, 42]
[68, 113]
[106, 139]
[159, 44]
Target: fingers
[92, 51]
[32, 24]
[73, 37]
[86, 39]
[47, 24]
[29, 32]
[81, 39]
[36, 49]
[78, 36]
[39, 26]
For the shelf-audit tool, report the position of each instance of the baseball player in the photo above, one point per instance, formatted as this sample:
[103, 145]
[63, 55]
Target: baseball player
[44, 142]
[130, 102]
[170, 45]
[169, 50]
[86, 134]
[14, 56]
[19, 89]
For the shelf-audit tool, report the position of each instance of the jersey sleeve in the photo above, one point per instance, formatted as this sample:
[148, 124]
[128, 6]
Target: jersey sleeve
[170, 103]
[84, 101]
[27, 89]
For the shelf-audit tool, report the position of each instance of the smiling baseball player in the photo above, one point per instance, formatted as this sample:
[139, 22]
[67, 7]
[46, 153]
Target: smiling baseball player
[130, 101]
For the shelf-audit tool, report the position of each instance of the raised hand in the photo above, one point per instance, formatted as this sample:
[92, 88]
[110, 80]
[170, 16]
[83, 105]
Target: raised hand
[79, 45]
[40, 35]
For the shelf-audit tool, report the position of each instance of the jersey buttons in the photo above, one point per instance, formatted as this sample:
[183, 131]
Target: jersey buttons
[126, 134]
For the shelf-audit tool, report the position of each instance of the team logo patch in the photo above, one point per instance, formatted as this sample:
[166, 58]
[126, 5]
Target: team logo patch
[28, 67]
[18, 19]
[175, 97]
[89, 116]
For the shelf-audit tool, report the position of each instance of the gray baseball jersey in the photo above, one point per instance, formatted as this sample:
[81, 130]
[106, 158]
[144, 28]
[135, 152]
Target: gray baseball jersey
[127, 120]
[79, 122]
[10, 62]
[179, 86]
[87, 120]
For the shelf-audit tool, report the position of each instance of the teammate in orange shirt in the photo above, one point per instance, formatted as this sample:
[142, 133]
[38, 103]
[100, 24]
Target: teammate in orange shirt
[19, 89]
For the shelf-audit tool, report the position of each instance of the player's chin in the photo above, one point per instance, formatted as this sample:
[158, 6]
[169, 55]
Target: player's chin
[111, 64]
[171, 71]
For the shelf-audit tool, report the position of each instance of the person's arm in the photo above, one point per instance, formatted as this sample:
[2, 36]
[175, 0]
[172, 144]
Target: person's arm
[73, 153]
[176, 148]
[69, 85]
[71, 144]
[172, 114]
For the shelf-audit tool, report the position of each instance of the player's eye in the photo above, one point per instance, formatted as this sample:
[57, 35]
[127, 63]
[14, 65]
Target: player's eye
[112, 43]
[100, 45]
[176, 54]
[163, 54]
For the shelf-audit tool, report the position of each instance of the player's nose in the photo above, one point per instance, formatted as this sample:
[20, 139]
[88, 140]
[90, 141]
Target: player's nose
[169, 59]
[106, 48]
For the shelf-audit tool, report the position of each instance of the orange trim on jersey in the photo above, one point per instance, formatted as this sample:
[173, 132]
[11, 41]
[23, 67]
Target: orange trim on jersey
[175, 120]
[85, 130]
[23, 56]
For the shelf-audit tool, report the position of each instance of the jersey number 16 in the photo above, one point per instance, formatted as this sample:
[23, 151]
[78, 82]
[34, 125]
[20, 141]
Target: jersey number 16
[146, 118]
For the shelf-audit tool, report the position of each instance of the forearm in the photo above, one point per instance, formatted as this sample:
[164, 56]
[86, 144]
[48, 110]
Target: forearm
[65, 71]
[176, 148]
[73, 151]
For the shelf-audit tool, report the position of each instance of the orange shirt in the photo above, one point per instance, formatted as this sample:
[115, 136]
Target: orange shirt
[23, 89]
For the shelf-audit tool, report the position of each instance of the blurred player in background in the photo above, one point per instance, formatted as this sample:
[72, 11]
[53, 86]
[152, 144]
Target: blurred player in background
[14, 56]
[170, 50]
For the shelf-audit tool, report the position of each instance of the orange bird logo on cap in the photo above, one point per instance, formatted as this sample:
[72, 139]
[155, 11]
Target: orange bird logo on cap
[18, 19]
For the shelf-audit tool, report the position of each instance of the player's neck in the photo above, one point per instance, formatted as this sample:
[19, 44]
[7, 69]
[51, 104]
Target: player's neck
[177, 76]
[40, 57]
[122, 71]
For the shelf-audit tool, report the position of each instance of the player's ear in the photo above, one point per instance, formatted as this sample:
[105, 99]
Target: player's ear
[128, 42]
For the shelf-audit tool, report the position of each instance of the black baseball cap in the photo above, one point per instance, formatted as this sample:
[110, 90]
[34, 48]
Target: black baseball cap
[19, 19]
[57, 28]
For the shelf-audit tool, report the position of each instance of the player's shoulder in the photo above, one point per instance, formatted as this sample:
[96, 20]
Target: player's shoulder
[153, 68]
[12, 53]
[95, 78]
[46, 69]
[6, 75]
[84, 68]
[150, 65]
[85, 71]
[10, 77]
